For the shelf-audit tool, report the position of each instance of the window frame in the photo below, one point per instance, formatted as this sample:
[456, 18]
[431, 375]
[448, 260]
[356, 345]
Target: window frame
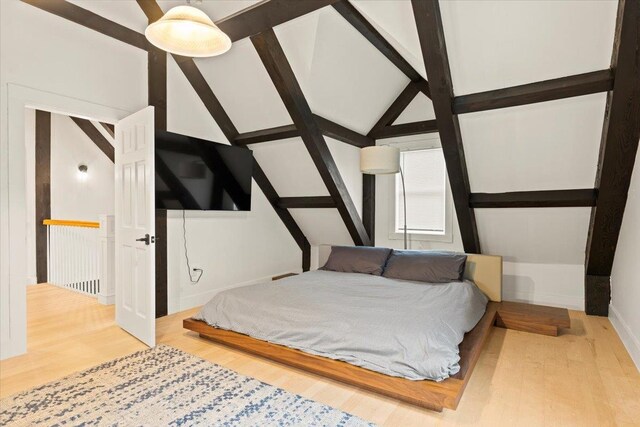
[424, 143]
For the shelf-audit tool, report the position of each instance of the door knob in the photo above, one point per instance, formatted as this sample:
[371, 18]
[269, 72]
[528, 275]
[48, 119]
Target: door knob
[147, 239]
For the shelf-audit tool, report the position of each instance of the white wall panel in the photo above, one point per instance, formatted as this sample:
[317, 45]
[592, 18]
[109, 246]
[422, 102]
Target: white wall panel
[394, 20]
[495, 44]
[344, 78]
[126, 13]
[625, 284]
[535, 235]
[43, 51]
[421, 108]
[546, 146]
[322, 226]
[191, 118]
[347, 158]
[289, 167]
[244, 88]
[72, 196]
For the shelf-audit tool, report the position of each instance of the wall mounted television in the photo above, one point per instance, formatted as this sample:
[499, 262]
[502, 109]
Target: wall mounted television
[196, 174]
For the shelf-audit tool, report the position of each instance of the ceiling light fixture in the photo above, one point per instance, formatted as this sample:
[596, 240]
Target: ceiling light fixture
[187, 31]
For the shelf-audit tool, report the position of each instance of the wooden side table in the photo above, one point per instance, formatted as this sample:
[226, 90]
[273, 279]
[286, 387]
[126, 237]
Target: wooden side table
[538, 319]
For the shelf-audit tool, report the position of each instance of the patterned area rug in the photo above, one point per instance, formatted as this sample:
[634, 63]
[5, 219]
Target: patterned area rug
[165, 386]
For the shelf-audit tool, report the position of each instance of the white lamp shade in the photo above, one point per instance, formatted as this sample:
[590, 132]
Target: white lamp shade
[187, 31]
[379, 160]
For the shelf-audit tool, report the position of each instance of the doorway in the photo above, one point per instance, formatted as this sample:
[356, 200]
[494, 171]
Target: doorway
[70, 176]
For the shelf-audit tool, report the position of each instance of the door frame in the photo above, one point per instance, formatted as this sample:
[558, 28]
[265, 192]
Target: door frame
[13, 200]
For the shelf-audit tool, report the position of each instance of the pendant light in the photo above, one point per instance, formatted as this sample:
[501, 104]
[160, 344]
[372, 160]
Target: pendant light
[187, 31]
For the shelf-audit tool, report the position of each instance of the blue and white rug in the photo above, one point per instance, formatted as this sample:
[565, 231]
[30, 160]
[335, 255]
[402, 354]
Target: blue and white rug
[164, 386]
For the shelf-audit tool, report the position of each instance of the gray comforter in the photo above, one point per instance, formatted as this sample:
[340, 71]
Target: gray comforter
[396, 327]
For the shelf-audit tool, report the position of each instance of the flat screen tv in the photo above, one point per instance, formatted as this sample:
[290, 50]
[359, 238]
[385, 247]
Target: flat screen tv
[195, 174]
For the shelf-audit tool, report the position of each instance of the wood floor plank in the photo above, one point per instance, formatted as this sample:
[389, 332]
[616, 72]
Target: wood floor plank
[583, 377]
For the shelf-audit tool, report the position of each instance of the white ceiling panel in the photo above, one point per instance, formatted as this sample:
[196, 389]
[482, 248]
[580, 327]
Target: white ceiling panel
[322, 226]
[534, 235]
[126, 13]
[394, 21]
[495, 44]
[244, 88]
[347, 158]
[546, 146]
[421, 108]
[216, 9]
[289, 167]
[186, 114]
[344, 78]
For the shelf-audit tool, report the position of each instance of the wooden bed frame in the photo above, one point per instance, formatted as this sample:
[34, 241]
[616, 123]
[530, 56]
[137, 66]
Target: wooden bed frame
[485, 270]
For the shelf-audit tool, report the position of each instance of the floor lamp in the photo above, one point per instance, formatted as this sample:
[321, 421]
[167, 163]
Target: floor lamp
[384, 160]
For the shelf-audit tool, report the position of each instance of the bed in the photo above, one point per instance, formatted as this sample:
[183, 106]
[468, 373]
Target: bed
[339, 324]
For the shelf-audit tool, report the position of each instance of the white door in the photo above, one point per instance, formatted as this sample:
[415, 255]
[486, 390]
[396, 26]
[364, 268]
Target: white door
[135, 226]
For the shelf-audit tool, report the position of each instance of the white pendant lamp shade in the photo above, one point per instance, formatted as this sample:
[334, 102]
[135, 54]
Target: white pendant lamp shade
[380, 159]
[187, 31]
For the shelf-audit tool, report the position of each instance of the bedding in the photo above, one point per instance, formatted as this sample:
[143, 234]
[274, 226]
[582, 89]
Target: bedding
[425, 266]
[357, 259]
[395, 327]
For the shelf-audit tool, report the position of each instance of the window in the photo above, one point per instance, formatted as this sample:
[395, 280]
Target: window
[426, 191]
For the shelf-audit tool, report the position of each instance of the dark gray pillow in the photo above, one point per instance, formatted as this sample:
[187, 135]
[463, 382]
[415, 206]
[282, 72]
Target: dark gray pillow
[357, 259]
[425, 266]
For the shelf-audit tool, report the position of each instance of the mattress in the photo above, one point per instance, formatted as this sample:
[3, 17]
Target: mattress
[395, 327]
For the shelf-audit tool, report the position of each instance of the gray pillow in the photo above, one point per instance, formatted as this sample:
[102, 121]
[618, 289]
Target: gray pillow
[425, 266]
[357, 259]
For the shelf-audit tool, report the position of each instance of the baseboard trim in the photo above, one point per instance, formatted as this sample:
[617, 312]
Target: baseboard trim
[631, 342]
[106, 299]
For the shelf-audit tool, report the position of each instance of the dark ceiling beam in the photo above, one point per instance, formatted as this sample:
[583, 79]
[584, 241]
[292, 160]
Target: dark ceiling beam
[277, 65]
[151, 9]
[96, 136]
[42, 193]
[618, 149]
[266, 135]
[111, 130]
[368, 31]
[547, 90]
[406, 129]
[157, 97]
[434, 54]
[307, 202]
[396, 108]
[157, 68]
[328, 128]
[92, 21]
[265, 15]
[535, 199]
[341, 133]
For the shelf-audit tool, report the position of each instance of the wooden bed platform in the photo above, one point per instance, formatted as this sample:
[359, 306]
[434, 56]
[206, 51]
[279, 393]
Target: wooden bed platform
[486, 272]
[427, 394]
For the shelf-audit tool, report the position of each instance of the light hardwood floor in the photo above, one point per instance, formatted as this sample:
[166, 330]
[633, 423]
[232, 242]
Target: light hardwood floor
[585, 377]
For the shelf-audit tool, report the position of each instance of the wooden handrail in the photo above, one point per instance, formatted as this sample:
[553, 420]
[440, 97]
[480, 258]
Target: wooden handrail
[71, 223]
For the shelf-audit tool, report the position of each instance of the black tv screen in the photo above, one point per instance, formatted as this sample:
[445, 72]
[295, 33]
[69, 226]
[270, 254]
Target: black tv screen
[195, 174]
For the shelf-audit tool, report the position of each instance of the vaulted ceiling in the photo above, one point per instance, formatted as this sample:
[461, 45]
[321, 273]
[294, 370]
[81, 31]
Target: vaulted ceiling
[551, 145]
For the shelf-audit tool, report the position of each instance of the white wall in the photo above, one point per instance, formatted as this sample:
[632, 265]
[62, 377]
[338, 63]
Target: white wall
[73, 197]
[624, 311]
